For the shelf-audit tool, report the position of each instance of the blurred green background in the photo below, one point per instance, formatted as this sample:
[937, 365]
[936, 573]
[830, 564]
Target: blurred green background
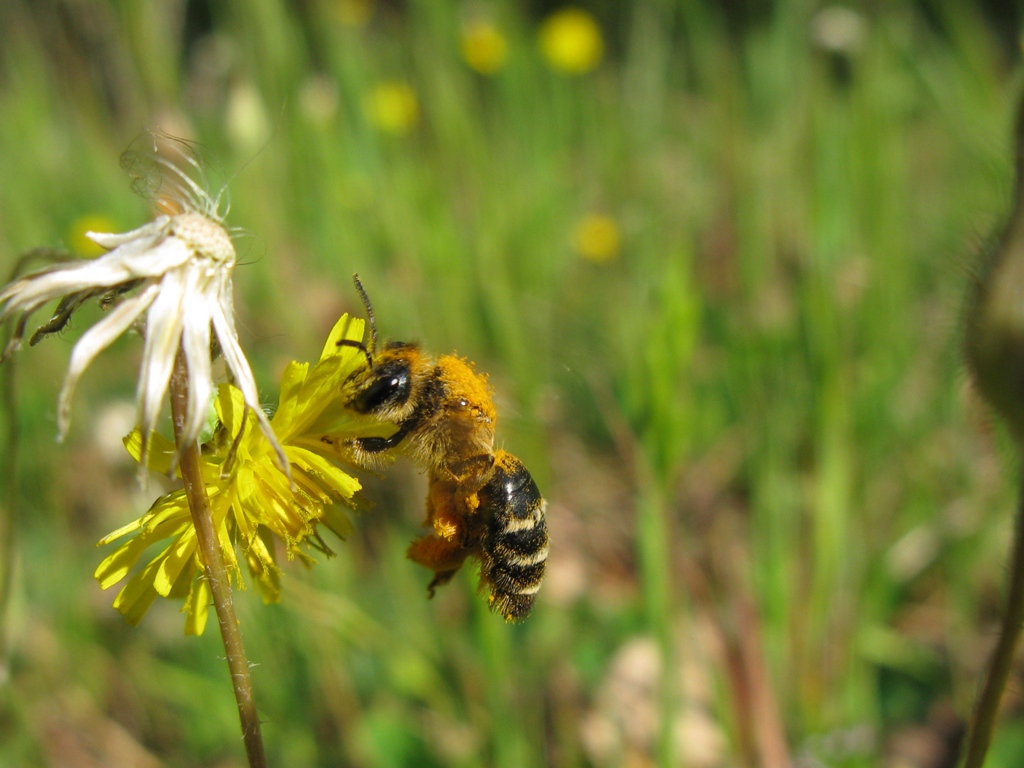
[713, 256]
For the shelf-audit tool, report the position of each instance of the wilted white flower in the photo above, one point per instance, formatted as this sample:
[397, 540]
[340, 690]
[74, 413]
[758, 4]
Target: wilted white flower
[176, 271]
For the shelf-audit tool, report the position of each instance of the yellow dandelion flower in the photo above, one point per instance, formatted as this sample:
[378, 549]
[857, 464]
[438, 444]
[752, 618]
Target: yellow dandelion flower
[392, 107]
[78, 237]
[596, 237]
[483, 46]
[571, 41]
[251, 502]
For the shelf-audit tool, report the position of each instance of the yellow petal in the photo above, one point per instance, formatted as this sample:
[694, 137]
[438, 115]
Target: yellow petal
[335, 480]
[339, 423]
[174, 559]
[259, 552]
[116, 565]
[309, 490]
[282, 509]
[124, 530]
[172, 509]
[263, 568]
[301, 405]
[245, 524]
[182, 587]
[230, 407]
[198, 607]
[292, 379]
[137, 595]
[161, 451]
[167, 517]
[348, 328]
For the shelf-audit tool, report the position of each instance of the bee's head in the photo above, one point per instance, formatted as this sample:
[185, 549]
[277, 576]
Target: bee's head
[386, 386]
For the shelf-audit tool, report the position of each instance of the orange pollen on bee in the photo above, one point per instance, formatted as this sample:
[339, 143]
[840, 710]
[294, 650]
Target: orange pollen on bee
[472, 389]
[446, 529]
[442, 512]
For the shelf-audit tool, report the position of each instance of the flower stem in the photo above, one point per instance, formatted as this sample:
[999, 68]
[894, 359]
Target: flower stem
[987, 710]
[216, 573]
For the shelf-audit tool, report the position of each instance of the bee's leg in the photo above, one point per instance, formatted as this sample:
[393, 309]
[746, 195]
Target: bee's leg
[440, 579]
[381, 444]
[443, 512]
[441, 556]
[436, 553]
[472, 475]
[368, 452]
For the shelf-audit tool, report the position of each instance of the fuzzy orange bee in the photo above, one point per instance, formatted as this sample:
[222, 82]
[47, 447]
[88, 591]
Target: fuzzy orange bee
[481, 502]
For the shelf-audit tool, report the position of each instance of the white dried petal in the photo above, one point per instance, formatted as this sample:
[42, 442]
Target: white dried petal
[94, 341]
[111, 240]
[163, 335]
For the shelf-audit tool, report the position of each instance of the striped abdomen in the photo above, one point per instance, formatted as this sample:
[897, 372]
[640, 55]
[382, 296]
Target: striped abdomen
[515, 542]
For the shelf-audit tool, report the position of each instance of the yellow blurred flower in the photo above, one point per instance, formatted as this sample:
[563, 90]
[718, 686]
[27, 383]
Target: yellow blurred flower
[354, 13]
[251, 501]
[597, 238]
[571, 41]
[392, 107]
[483, 46]
[80, 243]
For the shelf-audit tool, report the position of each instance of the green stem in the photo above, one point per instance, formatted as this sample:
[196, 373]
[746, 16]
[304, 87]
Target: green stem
[656, 569]
[987, 710]
[216, 573]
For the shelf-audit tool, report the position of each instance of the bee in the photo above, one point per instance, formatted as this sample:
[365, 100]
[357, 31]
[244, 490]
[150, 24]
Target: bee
[482, 503]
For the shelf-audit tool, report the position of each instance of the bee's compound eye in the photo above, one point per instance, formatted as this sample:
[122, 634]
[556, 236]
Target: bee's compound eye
[391, 387]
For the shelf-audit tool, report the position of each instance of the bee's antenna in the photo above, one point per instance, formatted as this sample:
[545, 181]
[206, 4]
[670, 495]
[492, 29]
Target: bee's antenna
[360, 346]
[369, 314]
